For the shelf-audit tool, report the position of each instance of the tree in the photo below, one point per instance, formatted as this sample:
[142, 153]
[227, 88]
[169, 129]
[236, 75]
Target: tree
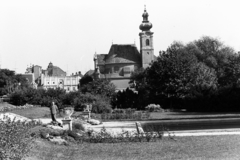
[99, 86]
[85, 80]
[205, 80]
[9, 82]
[186, 72]
[171, 74]
[214, 54]
[229, 73]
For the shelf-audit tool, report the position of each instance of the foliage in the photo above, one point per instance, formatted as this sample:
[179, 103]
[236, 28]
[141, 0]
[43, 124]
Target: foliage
[154, 108]
[8, 107]
[85, 80]
[9, 82]
[101, 105]
[125, 136]
[193, 76]
[78, 126]
[125, 99]
[81, 99]
[37, 96]
[99, 86]
[15, 138]
[126, 114]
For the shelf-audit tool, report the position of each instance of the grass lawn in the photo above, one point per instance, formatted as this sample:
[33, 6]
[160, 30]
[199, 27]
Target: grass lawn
[33, 113]
[207, 147]
[42, 112]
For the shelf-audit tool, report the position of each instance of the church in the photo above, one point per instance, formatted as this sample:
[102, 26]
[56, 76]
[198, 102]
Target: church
[123, 59]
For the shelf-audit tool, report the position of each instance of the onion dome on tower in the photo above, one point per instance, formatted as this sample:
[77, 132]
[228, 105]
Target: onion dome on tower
[146, 25]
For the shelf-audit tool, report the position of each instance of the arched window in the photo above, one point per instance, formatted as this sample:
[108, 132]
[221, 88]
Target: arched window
[147, 42]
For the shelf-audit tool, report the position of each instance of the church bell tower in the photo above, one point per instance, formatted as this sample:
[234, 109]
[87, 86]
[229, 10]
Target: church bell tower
[146, 41]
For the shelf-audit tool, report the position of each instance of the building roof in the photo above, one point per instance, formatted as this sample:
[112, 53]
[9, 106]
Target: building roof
[55, 71]
[125, 53]
[89, 73]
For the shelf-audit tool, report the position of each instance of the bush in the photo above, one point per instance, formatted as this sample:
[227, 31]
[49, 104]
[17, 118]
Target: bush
[78, 126]
[83, 99]
[15, 138]
[125, 99]
[17, 98]
[154, 108]
[125, 136]
[127, 114]
[101, 105]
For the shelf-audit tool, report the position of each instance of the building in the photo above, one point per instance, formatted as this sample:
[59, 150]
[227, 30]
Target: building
[123, 59]
[69, 83]
[54, 71]
[53, 77]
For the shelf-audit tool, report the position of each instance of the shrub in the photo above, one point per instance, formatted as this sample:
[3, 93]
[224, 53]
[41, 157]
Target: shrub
[99, 87]
[101, 105]
[125, 99]
[83, 99]
[125, 136]
[15, 138]
[17, 98]
[78, 126]
[123, 114]
[154, 108]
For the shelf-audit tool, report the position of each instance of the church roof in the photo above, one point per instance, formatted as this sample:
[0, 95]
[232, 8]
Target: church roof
[89, 73]
[54, 70]
[120, 53]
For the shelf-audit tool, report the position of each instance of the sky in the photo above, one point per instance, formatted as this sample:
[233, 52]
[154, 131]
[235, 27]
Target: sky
[69, 32]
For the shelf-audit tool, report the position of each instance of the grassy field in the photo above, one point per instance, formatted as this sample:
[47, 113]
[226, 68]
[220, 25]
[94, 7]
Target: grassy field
[33, 113]
[208, 147]
[43, 112]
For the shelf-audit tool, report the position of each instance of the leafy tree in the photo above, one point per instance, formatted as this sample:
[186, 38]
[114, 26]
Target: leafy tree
[9, 82]
[229, 73]
[125, 99]
[190, 73]
[171, 74]
[205, 80]
[85, 80]
[100, 86]
[216, 55]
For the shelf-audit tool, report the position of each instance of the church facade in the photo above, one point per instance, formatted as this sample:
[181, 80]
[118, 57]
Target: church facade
[123, 59]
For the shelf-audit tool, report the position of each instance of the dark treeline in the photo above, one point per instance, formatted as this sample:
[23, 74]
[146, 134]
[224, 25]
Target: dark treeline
[202, 75]
[99, 93]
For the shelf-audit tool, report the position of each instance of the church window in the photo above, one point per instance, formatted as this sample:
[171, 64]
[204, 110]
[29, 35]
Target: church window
[147, 42]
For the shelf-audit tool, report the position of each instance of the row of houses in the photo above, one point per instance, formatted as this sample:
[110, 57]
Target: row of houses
[52, 77]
